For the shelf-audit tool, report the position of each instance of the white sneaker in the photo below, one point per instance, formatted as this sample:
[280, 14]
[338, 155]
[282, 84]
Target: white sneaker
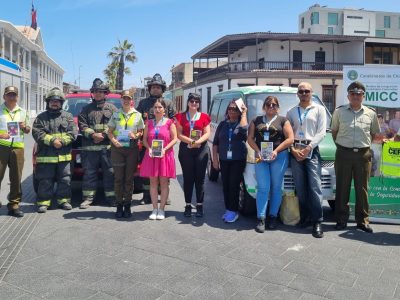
[160, 215]
[153, 215]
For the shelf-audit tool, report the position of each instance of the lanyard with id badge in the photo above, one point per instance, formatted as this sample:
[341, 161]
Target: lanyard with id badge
[267, 147]
[301, 144]
[230, 134]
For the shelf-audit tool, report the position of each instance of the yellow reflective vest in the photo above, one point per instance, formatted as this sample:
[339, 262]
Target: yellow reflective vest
[390, 163]
[9, 123]
[123, 123]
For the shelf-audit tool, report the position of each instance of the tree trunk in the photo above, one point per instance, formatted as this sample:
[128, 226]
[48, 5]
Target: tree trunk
[120, 73]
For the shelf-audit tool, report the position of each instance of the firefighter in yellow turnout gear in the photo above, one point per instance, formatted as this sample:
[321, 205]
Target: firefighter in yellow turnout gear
[54, 131]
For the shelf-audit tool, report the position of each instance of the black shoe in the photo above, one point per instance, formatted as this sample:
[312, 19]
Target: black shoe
[304, 223]
[340, 226]
[272, 223]
[188, 210]
[261, 226]
[16, 213]
[199, 211]
[120, 211]
[365, 227]
[127, 211]
[146, 198]
[317, 230]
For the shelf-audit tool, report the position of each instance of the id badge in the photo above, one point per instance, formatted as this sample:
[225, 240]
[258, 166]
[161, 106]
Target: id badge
[229, 154]
[301, 135]
[266, 136]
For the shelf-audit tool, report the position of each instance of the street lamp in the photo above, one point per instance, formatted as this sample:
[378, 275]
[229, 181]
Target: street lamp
[195, 74]
[79, 75]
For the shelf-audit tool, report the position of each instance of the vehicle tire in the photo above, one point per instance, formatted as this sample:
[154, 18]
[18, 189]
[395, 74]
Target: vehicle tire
[211, 172]
[332, 204]
[35, 182]
[247, 204]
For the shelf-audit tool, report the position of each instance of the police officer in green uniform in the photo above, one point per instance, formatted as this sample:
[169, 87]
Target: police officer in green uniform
[124, 129]
[93, 124]
[353, 129]
[54, 131]
[14, 122]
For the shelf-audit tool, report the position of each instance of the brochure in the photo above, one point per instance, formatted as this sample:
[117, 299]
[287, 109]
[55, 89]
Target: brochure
[13, 129]
[156, 148]
[266, 150]
[195, 134]
[239, 103]
[123, 138]
[302, 146]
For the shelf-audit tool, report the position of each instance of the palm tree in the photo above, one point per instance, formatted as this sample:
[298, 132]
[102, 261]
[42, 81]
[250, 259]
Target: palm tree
[119, 54]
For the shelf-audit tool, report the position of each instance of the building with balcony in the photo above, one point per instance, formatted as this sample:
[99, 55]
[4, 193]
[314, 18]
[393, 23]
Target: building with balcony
[349, 21]
[25, 64]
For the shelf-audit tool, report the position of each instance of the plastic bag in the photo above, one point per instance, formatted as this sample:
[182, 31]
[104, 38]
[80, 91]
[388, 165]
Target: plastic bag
[290, 211]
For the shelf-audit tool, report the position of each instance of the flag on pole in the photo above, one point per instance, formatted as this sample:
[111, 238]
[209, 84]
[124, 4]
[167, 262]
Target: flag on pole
[33, 13]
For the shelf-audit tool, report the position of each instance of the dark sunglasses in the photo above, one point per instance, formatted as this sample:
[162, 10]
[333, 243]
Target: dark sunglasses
[232, 109]
[354, 93]
[194, 101]
[302, 92]
[271, 105]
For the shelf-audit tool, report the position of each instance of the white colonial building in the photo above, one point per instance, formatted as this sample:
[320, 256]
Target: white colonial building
[25, 64]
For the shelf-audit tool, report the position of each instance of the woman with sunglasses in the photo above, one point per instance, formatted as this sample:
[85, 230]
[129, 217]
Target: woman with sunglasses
[229, 155]
[193, 129]
[159, 138]
[270, 136]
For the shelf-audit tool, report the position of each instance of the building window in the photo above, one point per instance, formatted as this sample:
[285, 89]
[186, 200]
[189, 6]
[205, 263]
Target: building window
[309, 30]
[361, 31]
[354, 17]
[328, 96]
[302, 23]
[208, 97]
[332, 18]
[330, 30]
[314, 18]
[386, 21]
[220, 88]
[380, 33]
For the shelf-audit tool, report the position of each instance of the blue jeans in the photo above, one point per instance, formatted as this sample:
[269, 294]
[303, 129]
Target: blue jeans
[269, 177]
[307, 181]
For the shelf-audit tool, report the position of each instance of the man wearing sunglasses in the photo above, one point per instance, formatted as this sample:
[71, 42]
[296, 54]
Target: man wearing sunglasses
[308, 120]
[353, 128]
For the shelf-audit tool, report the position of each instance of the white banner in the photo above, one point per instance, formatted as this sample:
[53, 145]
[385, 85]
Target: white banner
[382, 83]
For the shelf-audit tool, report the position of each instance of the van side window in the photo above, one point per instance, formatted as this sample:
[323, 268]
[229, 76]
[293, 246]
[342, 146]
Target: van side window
[214, 110]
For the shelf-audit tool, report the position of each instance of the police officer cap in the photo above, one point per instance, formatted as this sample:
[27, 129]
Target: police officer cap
[99, 85]
[55, 94]
[126, 93]
[194, 96]
[157, 80]
[11, 89]
[356, 87]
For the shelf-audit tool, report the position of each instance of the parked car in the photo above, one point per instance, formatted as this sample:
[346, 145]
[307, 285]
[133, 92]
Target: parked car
[74, 102]
[254, 97]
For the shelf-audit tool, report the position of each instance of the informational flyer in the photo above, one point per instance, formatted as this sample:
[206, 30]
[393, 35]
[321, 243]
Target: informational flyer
[195, 134]
[301, 146]
[156, 148]
[266, 150]
[123, 138]
[13, 129]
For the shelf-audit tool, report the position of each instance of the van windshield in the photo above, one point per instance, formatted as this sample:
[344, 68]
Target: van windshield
[286, 102]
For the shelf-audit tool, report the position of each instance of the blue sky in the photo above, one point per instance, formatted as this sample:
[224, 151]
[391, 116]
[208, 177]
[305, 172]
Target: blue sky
[164, 32]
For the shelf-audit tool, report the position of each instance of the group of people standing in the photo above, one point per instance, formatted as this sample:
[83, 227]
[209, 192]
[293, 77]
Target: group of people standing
[110, 140]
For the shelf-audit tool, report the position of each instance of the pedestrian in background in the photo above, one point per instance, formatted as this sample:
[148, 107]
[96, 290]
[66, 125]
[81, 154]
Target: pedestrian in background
[229, 156]
[308, 120]
[159, 136]
[12, 147]
[354, 126]
[193, 129]
[276, 130]
[124, 129]
[54, 131]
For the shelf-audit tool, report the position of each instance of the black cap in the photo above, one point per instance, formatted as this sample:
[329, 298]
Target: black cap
[356, 87]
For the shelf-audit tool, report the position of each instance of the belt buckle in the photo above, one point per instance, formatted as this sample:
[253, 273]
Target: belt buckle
[355, 149]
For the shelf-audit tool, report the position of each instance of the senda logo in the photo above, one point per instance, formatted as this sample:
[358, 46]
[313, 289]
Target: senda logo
[381, 96]
[352, 75]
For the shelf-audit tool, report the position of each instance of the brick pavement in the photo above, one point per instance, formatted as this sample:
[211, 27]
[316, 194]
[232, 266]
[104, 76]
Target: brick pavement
[87, 254]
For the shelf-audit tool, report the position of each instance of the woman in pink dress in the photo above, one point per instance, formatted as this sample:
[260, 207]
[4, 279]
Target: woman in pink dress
[159, 138]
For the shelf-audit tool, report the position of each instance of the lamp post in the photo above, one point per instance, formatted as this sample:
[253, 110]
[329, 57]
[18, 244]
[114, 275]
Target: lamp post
[195, 74]
[79, 76]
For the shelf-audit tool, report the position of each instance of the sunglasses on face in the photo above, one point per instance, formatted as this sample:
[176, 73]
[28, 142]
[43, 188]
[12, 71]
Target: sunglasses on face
[303, 92]
[232, 109]
[271, 105]
[355, 94]
[194, 101]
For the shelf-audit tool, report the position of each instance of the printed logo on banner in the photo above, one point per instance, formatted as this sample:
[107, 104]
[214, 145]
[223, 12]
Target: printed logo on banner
[352, 75]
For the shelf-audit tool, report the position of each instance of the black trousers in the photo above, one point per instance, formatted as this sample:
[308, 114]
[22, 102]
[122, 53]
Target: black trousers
[231, 175]
[194, 164]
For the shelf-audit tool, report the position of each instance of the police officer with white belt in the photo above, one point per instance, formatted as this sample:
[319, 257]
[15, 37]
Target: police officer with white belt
[353, 129]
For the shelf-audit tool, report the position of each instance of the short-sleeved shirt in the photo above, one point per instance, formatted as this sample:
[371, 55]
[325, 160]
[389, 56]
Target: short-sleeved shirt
[353, 128]
[202, 122]
[139, 124]
[275, 131]
[238, 140]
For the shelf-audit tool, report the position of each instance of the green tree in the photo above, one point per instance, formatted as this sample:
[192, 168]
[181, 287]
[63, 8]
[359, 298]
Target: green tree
[119, 54]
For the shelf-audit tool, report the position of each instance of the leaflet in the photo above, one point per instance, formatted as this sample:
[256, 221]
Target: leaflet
[266, 150]
[195, 134]
[123, 138]
[301, 146]
[157, 147]
[13, 129]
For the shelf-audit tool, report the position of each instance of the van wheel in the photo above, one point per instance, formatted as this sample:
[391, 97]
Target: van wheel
[332, 204]
[247, 204]
[211, 172]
